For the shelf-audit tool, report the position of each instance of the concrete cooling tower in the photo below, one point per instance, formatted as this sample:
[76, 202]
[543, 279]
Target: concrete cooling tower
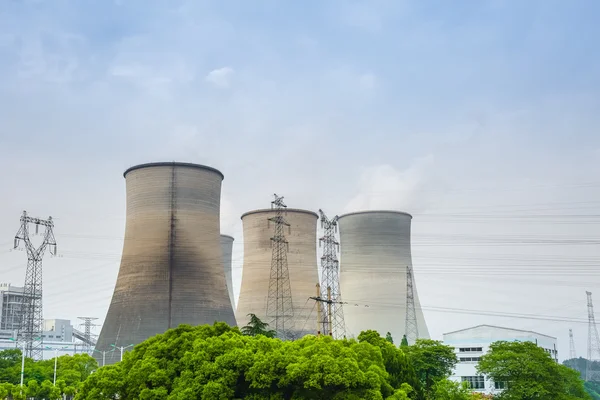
[227, 250]
[302, 266]
[374, 253]
[172, 266]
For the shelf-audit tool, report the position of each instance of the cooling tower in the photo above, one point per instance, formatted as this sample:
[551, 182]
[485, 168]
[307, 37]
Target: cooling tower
[171, 268]
[227, 250]
[301, 260]
[375, 251]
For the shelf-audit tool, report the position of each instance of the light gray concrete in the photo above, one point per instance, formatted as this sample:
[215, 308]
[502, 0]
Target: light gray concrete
[227, 250]
[374, 253]
[302, 265]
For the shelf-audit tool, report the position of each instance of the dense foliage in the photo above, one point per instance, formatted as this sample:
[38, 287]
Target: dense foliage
[530, 373]
[432, 360]
[71, 371]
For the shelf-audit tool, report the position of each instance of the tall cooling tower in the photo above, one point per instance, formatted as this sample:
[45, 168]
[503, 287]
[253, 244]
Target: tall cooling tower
[171, 268]
[302, 266]
[375, 251]
[227, 250]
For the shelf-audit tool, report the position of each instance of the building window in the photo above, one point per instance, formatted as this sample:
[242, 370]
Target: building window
[470, 349]
[470, 359]
[500, 385]
[474, 382]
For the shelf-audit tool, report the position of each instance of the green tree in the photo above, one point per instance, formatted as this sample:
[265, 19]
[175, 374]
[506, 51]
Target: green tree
[432, 361]
[404, 342]
[530, 373]
[257, 327]
[218, 362]
[445, 389]
[389, 338]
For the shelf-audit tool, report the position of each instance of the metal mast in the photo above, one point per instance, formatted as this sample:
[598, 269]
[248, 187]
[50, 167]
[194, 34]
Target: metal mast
[411, 327]
[279, 302]
[333, 314]
[31, 327]
[87, 334]
[593, 349]
[572, 353]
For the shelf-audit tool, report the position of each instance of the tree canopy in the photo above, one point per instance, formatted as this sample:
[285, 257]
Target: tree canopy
[38, 376]
[432, 361]
[530, 373]
[218, 362]
[257, 327]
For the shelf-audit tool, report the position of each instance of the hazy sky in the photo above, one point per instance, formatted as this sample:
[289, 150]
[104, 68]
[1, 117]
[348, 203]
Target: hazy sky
[478, 117]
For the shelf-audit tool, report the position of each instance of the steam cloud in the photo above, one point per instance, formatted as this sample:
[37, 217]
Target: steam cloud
[383, 187]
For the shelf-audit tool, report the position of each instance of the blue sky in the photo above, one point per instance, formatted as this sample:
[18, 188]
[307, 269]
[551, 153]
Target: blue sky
[431, 107]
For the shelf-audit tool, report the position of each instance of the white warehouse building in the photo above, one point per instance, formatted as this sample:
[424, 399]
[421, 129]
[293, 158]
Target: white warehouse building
[472, 343]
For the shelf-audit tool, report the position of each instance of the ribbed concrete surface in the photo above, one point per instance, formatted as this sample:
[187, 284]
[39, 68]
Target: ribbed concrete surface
[171, 268]
[227, 250]
[302, 265]
[374, 252]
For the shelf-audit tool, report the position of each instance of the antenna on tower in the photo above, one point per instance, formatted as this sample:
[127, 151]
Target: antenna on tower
[572, 353]
[333, 314]
[593, 349]
[31, 326]
[279, 301]
[411, 326]
[87, 334]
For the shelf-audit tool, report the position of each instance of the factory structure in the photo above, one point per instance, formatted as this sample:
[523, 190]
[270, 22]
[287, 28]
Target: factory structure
[374, 265]
[301, 236]
[176, 268]
[171, 269]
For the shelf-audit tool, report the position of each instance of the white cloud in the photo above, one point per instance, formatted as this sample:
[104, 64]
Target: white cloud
[385, 187]
[220, 77]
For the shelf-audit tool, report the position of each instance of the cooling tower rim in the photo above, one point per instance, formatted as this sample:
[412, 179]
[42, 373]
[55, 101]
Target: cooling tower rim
[289, 210]
[173, 164]
[227, 236]
[376, 212]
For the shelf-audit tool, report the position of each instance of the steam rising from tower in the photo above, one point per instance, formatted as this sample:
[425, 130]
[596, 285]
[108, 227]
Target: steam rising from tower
[172, 267]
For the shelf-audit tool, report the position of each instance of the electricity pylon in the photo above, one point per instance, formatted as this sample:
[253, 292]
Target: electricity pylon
[333, 313]
[593, 349]
[280, 308]
[411, 325]
[87, 333]
[31, 327]
[572, 353]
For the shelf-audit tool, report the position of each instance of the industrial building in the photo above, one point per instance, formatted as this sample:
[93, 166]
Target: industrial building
[472, 343]
[11, 303]
[375, 253]
[301, 262]
[227, 250]
[171, 269]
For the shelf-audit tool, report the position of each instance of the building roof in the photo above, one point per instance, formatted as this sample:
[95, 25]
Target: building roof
[499, 327]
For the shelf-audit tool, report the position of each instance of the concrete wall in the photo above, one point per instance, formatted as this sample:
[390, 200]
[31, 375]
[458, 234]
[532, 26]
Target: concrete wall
[171, 269]
[302, 265]
[227, 250]
[374, 253]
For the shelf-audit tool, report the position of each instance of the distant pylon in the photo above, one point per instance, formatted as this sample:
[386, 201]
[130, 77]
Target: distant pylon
[333, 313]
[31, 326]
[87, 333]
[572, 353]
[593, 349]
[279, 301]
[411, 326]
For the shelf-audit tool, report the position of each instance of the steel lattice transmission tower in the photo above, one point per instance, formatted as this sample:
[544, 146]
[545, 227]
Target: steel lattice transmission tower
[593, 349]
[31, 327]
[87, 333]
[280, 308]
[572, 353]
[411, 326]
[333, 314]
